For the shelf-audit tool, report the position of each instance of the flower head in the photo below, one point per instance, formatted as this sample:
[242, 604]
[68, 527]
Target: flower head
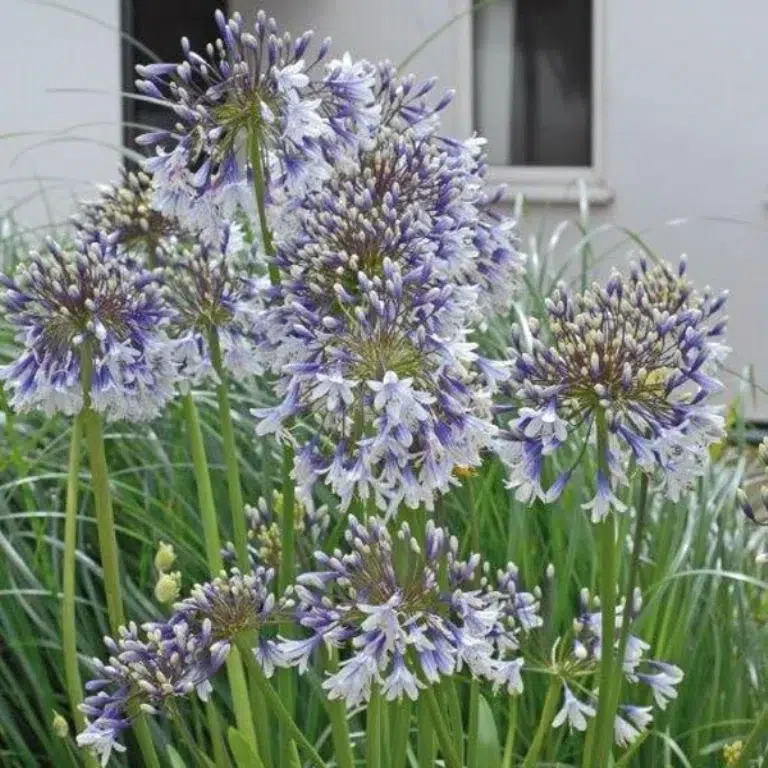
[150, 668]
[383, 603]
[70, 303]
[253, 89]
[368, 332]
[640, 352]
[123, 213]
[211, 292]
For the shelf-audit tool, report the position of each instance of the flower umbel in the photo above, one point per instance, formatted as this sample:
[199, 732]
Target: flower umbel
[149, 668]
[368, 331]
[212, 290]
[383, 603]
[123, 213]
[67, 303]
[252, 89]
[643, 350]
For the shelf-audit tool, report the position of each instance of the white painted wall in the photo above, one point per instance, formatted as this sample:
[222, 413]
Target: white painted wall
[685, 122]
[45, 51]
[685, 129]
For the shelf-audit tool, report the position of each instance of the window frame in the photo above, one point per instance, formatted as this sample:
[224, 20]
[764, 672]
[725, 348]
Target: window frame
[543, 184]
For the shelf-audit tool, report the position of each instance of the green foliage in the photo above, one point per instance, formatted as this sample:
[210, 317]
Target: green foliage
[704, 596]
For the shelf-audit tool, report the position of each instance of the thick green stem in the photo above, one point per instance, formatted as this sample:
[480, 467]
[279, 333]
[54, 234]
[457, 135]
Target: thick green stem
[239, 530]
[509, 745]
[276, 705]
[545, 722]
[472, 721]
[235, 672]
[634, 567]
[105, 521]
[68, 628]
[105, 525]
[401, 721]
[204, 487]
[373, 730]
[426, 746]
[441, 729]
[603, 736]
[337, 713]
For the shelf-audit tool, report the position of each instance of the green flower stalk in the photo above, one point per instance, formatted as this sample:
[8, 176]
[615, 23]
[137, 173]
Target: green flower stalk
[235, 670]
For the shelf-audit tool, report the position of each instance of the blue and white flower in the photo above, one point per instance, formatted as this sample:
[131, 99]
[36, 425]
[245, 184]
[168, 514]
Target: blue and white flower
[381, 604]
[150, 667]
[71, 303]
[380, 283]
[643, 353]
[254, 90]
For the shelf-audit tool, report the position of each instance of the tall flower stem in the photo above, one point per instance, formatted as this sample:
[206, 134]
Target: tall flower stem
[286, 573]
[237, 509]
[68, 625]
[603, 736]
[545, 722]
[342, 744]
[373, 730]
[425, 733]
[634, 567]
[272, 700]
[105, 525]
[235, 672]
[509, 745]
[441, 729]
[474, 685]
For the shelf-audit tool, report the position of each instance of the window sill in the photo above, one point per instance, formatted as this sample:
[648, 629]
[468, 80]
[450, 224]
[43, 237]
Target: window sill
[560, 186]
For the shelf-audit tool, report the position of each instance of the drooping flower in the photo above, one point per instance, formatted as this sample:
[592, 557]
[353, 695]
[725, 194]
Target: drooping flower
[124, 215]
[150, 667]
[630, 721]
[368, 332]
[398, 628]
[69, 302]
[213, 297]
[643, 351]
[573, 711]
[252, 90]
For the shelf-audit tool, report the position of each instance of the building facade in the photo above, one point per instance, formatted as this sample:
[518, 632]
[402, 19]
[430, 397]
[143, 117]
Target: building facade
[658, 107]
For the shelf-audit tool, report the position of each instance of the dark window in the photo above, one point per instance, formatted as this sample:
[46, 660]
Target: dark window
[533, 81]
[159, 25]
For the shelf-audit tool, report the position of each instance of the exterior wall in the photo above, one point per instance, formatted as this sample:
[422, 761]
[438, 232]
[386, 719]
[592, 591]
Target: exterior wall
[52, 139]
[684, 130]
[683, 134]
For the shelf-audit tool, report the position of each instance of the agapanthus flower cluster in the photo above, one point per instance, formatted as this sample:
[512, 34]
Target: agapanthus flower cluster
[124, 215]
[380, 285]
[71, 303]
[150, 668]
[211, 290]
[583, 658]
[252, 89]
[406, 614]
[755, 506]
[642, 351]
[265, 543]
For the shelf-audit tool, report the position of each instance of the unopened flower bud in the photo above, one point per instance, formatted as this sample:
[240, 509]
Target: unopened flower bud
[168, 587]
[165, 557]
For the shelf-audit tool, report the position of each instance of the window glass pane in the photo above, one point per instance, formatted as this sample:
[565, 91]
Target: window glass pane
[533, 81]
